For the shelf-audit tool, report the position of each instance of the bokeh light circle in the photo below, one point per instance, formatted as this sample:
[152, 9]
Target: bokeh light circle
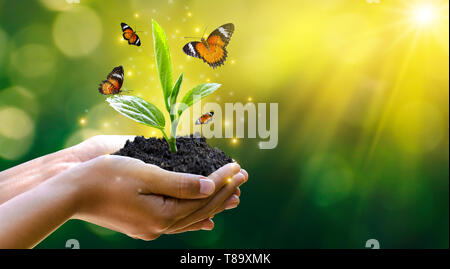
[16, 133]
[33, 60]
[16, 123]
[59, 5]
[77, 32]
[329, 179]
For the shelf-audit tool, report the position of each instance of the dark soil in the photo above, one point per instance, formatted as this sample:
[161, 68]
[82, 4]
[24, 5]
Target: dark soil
[194, 155]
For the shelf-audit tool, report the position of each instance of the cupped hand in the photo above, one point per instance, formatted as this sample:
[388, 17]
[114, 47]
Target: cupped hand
[145, 201]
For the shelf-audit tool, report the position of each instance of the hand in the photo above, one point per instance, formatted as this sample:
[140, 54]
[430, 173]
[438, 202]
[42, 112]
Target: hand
[145, 201]
[26, 176]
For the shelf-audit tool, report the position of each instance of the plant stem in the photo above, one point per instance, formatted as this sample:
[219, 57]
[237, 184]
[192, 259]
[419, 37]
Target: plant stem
[171, 141]
[173, 134]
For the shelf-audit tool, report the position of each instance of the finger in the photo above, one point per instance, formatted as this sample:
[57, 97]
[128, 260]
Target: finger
[238, 192]
[179, 185]
[220, 178]
[245, 174]
[206, 224]
[232, 202]
[215, 202]
[100, 145]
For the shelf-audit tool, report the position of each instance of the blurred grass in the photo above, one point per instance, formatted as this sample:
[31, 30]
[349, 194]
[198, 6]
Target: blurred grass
[362, 89]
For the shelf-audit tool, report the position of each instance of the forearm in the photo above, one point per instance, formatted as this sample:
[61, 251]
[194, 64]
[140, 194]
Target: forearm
[28, 218]
[22, 178]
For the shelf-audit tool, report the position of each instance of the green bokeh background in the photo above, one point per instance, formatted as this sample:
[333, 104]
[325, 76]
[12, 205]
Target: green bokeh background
[362, 88]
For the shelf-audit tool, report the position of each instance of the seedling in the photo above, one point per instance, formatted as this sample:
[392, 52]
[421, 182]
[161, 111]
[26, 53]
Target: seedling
[146, 113]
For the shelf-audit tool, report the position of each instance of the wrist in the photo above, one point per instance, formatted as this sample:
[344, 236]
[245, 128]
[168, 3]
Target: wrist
[67, 190]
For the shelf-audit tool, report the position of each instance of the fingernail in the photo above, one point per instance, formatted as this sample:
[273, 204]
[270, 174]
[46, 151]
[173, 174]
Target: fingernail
[239, 177]
[244, 173]
[235, 168]
[207, 186]
[235, 201]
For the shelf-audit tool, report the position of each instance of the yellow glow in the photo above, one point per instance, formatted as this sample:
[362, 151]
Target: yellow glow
[83, 121]
[106, 124]
[197, 29]
[121, 39]
[129, 73]
[136, 15]
[229, 180]
[424, 14]
[234, 141]
[249, 99]
[189, 14]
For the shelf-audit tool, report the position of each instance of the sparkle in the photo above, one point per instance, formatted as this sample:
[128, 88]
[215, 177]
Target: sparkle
[197, 29]
[249, 99]
[233, 61]
[153, 133]
[83, 121]
[136, 15]
[208, 80]
[106, 124]
[234, 141]
[129, 73]
[189, 14]
[229, 180]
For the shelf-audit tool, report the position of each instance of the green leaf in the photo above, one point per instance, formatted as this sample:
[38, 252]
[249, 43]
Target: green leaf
[176, 90]
[138, 109]
[163, 61]
[197, 93]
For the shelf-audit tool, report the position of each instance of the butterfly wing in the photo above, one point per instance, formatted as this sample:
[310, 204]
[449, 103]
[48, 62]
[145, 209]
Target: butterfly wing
[113, 82]
[221, 36]
[190, 49]
[130, 35]
[204, 119]
[214, 56]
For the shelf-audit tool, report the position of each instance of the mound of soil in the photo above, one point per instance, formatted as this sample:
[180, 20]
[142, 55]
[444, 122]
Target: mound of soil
[194, 155]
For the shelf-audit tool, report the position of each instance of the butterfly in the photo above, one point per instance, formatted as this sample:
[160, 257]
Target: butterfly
[130, 35]
[205, 118]
[113, 82]
[212, 50]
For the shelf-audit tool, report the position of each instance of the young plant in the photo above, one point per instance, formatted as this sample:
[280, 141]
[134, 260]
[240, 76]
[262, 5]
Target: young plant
[146, 113]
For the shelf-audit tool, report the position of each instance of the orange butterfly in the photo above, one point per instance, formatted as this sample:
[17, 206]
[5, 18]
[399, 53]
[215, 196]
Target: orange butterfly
[113, 82]
[205, 118]
[130, 35]
[212, 50]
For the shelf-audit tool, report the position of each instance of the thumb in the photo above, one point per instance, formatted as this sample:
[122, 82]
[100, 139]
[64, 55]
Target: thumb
[180, 185]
